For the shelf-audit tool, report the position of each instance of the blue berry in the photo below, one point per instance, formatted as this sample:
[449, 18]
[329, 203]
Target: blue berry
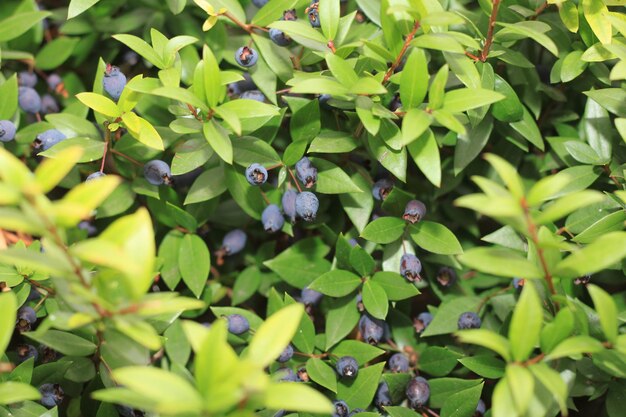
[7, 131]
[241, 86]
[414, 211]
[410, 267]
[157, 172]
[446, 276]
[395, 103]
[54, 80]
[323, 100]
[383, 396]
[359, 303]
[310, 297]
[307, 205]
[131, 58]
[583, 280]
[113, 81]
[422, 321]
[372, 329]
[51, 395]
[314, 16]
[286, 354]
[306, 172]
[469, 320]
[237, 324]
[279, 37]
[398, 363]
[126, 411]
[288, 202]
[88, 227]
[382, 188]
[347, 367]
[481, 408]
[27, 314]
[260, 3]
[49, 104]
[272, 219]
[25, 352]
[29, 100]
[234, 241]
[255, 95]
[341, 409]
[518, 283]
[256, 174]
[287, 375]
[27, 79]
[48, 139]
[418, 392]
[95, 175]
[246, 57]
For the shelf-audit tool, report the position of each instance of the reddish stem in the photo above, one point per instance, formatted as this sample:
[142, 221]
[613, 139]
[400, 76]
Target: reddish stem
[492, 25]
[398, 60]
[293, 177]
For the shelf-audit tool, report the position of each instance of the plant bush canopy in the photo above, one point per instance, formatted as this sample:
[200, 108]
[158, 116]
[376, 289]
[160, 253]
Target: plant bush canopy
[266, 208]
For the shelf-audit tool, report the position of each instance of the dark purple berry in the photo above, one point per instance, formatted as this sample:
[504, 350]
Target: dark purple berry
[237, 324]
[48, 139]
[481, 408]
[418, 392]
[26, 317]
[383, 396]
[410, 267]
[372, 329]
[51, 395]
[446, 276]
[421, 322]
[256, 174]
[7, 131]
[347, 367]
[246, 57]
[287, 375]
[88, 227]
[49, 105]
[414, 211]
[382, 188]
[113, 81]
[398, 363]
[272, 219]
[341, 409]
[395, 104]
[288, 202]
[307, 205]
[518, 283]
[260, 3]
[157, 172]
[29, 100]
[314, 17]
[241, 86]
[27, 79]
[469, 320]
[279, 37]
[310, 297]
[54, 80]
[286, 354]
[234, 241]
[306, 172]
[255, 95]
[25, 352]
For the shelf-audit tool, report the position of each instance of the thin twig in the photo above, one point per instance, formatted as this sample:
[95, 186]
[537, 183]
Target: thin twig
[492, 25]
[293, 177]
[116, 152]
[398, 60]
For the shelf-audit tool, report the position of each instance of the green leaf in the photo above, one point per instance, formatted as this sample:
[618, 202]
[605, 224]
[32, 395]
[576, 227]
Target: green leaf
[141, 47]
[210, 184]
[384, 230]
[575, 345]
[219, 140]
[55, 53]
[8, 92]
[425, 153]
[64, 342]
[525, 326]
[607, 311]
[462, 403]
[435, 238]
[487, 339]
[375, 299]
[486, 366]
[302, 33]
[271, 338]
[329, 11]
[500, 262]
[521, 385]
[8, 308]
[358, 205]
[464, 99]
[442, 388]
[248, 150]
[414, 80]
[398, 411]
[612, 99]
[361, 261]
[78, 7]
[16, 25]
[331, 179]
[247, 197]
[601, 254]
[396, 287]
[552, 380]
[212, 79]
[510, 109]
[336, 283]
[272, 11]
[595, 12]
[362, 352]
[340, 319]
[322, 373]
[446, 319]
[527, 29]
[301, 263]
[14, 392]
[438, 361]
[91, 149]
[194, 263]
[100, 103]
[297, 397]
[360, 391]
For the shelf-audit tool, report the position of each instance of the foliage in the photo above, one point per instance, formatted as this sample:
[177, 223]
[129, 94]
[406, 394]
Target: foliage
[507, 119]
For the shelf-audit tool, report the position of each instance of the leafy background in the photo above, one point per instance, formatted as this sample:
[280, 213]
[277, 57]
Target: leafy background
[506, 118]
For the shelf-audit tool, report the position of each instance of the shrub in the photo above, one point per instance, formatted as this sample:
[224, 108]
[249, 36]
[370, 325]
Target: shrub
[224, 208]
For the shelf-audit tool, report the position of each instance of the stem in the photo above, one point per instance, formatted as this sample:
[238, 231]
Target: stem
[492, 25]
[398, 60]
[238, 22]
[532, 230]
[36, 284]
[267, 201]
[539, 10]
[116, 152]
[107, 139]
[612, 177]
[293, 177]
[331, 45]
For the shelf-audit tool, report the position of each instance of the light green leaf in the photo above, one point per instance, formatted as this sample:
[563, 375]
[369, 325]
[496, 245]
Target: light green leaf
[375, 299]
[500, 262]
[99, 103]
[336, 283]
[607, 311]
[464, 99]
[219, 140]
[525, 326]
[435, 238]
[384, 230]
[78, 7]
[16, 25]
[8, 308]
[297, 397]
[194, 263]
[322, 373]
